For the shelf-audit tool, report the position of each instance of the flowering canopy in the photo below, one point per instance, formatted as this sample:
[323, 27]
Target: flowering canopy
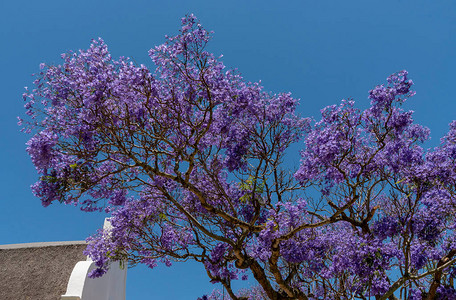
[188, 161]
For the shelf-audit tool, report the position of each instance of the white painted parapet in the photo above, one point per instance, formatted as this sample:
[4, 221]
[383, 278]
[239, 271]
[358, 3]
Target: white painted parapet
[110, 286]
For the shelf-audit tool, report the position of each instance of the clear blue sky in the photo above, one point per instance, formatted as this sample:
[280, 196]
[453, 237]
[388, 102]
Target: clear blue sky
[321, 51]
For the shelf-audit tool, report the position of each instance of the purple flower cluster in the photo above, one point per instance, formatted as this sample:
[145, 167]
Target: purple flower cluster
[187, 159]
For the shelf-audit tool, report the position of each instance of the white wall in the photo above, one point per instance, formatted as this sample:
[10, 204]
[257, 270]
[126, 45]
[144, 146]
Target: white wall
[110, 286]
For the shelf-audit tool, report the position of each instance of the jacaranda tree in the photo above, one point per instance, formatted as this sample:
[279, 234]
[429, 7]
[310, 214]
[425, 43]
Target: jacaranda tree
[189, 162]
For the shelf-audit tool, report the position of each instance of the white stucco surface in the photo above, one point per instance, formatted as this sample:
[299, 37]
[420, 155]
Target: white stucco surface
[110, 286]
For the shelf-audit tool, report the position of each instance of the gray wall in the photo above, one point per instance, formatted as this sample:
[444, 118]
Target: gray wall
[37, 271]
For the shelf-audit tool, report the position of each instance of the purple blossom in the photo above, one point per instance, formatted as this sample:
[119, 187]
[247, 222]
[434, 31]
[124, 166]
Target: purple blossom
[188, 161]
